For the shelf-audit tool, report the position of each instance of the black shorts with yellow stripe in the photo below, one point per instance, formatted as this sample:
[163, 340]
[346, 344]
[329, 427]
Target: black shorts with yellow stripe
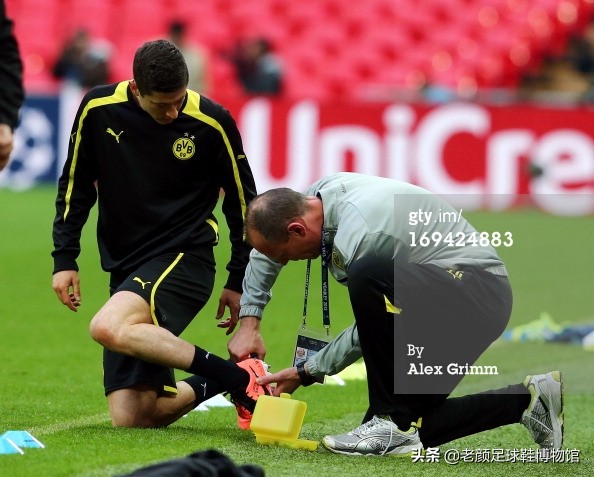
[176, 287]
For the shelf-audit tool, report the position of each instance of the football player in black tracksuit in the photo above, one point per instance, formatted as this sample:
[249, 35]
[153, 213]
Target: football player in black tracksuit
[155, 157]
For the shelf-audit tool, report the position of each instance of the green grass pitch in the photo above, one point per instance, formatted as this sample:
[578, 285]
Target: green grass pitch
[51, 377]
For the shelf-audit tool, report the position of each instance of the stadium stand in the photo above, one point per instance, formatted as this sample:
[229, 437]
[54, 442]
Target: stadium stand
[332, 49]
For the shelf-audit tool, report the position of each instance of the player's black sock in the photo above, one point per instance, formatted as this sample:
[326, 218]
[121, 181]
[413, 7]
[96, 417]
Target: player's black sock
[203, 388]
[220, 370]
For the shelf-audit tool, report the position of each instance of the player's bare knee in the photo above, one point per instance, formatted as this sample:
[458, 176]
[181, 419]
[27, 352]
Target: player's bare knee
[101, 331]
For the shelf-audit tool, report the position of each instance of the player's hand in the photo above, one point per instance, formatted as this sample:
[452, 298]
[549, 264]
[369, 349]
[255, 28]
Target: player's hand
[247, 340]
[67, 286]
[229, 299]
[286, 381]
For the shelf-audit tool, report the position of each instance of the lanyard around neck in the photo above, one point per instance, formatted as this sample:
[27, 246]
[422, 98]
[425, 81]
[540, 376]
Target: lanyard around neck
[325, 290]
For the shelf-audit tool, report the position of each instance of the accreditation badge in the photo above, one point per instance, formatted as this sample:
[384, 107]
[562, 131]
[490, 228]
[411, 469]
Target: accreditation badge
[309, 342]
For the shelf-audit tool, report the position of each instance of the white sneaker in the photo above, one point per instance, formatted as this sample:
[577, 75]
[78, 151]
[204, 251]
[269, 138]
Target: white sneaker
[379, 436]
[544, 416]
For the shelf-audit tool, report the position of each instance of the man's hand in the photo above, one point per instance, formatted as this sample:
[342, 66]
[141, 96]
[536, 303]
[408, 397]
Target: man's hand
[247, 340]
[229, 299]
[67, 286]
[6, 141]
[286, 381]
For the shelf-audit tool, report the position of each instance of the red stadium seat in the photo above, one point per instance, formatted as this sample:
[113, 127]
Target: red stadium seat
[95, 16]
[330, 48]
[38, 32]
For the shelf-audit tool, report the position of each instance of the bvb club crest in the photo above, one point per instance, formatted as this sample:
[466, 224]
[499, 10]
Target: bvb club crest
[184, 147]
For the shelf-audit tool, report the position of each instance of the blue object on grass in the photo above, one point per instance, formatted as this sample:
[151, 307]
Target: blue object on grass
[545, 329]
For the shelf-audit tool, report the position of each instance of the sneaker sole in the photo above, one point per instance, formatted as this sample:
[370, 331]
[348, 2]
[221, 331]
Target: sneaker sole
[555, 380]
[404, 451]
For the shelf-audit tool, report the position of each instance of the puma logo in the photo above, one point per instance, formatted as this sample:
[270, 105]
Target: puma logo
[117, 136]
[456, 274]
[204, 386]
[136, 279]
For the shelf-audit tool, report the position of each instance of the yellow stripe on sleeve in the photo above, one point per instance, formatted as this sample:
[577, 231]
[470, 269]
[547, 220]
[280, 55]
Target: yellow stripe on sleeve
[193, 109]
[215, 227]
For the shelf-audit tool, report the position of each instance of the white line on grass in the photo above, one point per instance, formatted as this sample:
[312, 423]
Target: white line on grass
[66, 425]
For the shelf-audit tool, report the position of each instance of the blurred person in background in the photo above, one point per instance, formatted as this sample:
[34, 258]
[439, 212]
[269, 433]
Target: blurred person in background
[580, 54]
[258, 69]
[11, 86]
[195, 56]
[580, 51]
[82, 61]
